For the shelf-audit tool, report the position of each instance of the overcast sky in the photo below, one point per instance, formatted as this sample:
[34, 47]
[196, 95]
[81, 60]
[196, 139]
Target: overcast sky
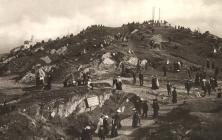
[19, 19]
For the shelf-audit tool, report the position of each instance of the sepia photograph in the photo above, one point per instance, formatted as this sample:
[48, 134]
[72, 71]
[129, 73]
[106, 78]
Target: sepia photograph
[110, 70]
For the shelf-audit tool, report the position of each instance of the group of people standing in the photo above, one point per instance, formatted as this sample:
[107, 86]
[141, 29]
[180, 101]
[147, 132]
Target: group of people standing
[84, 79]
[43, 79]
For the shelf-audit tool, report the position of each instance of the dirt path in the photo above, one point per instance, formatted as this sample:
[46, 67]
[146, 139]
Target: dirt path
[148, 94]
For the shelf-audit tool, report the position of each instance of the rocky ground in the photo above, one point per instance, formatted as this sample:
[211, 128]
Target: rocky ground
[60, 113]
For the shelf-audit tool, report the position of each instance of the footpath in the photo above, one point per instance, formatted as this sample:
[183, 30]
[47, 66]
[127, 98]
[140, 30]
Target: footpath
[127, 130]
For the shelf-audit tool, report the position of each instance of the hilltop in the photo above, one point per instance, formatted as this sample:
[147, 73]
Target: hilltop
[86, 49]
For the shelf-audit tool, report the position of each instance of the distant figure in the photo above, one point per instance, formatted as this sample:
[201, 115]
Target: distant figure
[135, 119]
[164, 70]
[146, 66]
[106, 125]
[208, 86]
[216, 72]
[117, 119]
[188, 85]
[65, 82]
[213, 83]
[138, 67]
[114, 82]
[155, 83]
[174, 93]
[212, 65]
[123, 69]
[37, 79]
[48, 81]
[101, 133]
[134, 77]
[141, 79]
[204, 87]
[189, 73]
[138, 105]
[86, 133]
[119, 83]
[208, 63]
[114, 128]
[145, 109]
[219, 93]
[169, 88]
[197, 79]
[155, 108]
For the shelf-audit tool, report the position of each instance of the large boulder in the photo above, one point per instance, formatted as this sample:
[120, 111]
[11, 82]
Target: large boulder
[107, 59]
[46, 59]
[62, 51]
[28, 78]
[133, 61]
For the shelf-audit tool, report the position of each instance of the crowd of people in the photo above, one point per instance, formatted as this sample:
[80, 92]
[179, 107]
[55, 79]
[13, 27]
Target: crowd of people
[109, 129]
[83, 79]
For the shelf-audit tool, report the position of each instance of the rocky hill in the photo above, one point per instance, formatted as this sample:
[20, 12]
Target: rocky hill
[100, 48]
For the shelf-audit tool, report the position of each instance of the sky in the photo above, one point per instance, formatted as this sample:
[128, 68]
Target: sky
[44, 19]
